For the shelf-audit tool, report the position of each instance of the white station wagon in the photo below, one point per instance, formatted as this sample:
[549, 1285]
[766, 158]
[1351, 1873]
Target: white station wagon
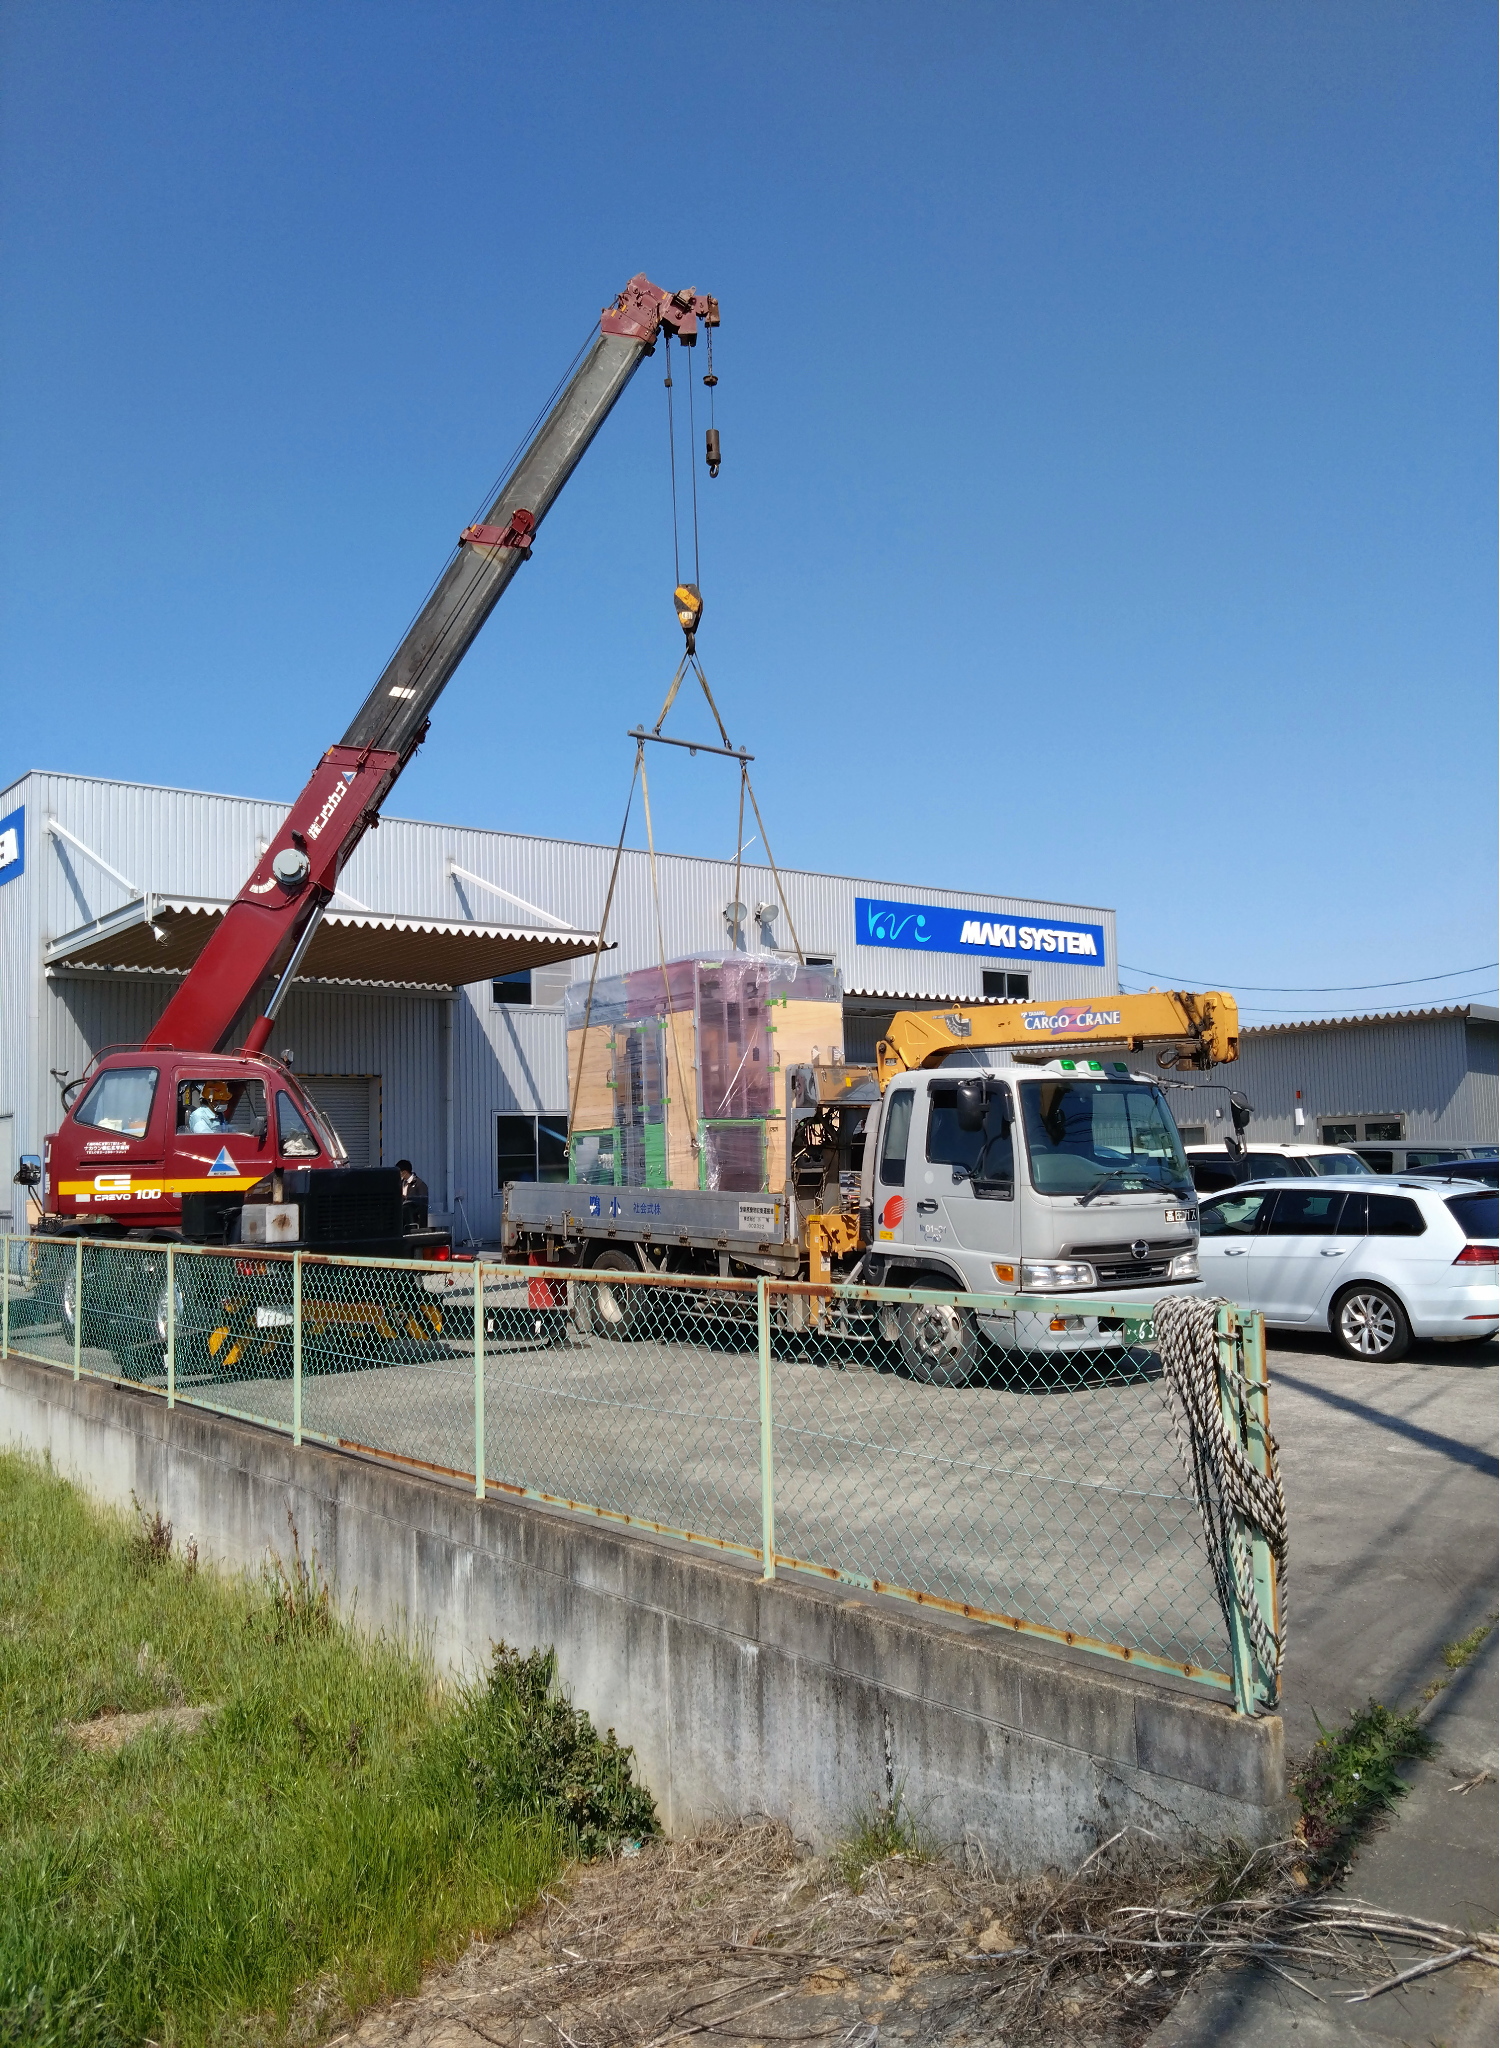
[1375, 1260]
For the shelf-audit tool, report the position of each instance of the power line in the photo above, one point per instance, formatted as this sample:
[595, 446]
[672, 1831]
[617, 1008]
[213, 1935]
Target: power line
[1277, 988]
[1473, 996]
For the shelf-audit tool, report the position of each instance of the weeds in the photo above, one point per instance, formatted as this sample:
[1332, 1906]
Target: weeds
[321, 1832]
[1350, 1775]
[883, 1831]
[523, 1742]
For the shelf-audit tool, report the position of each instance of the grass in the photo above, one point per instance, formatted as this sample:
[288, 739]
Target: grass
[1350, 1776]
[335, 1824]
[877, 1833]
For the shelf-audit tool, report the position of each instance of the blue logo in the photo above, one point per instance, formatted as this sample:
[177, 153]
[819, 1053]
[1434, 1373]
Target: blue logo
[937, 928]
[614, 1205]
[223, 1164]
[593, 1205]
[13, 846]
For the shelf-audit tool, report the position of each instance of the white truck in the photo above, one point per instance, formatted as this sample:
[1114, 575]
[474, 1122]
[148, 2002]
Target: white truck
[978, 1155]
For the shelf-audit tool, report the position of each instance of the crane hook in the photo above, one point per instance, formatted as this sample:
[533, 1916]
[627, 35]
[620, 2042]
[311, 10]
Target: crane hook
[711, 450]
[689, 602]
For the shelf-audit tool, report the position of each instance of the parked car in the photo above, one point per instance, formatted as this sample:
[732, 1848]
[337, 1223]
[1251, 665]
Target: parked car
[1375, 1261]
[1485, 1172]
[1213, 1167]
[1419, 1158]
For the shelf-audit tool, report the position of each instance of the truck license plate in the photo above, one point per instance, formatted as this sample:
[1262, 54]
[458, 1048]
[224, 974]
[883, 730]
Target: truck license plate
[1180, 1215]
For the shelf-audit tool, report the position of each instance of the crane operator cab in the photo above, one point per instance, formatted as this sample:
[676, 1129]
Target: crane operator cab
[201, 1147]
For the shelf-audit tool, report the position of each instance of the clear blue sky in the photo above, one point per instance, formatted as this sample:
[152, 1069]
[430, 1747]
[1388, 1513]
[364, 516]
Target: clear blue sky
[1107, 509]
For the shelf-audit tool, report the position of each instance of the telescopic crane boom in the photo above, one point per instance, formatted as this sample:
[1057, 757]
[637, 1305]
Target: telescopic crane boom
[1193, 1030]
[267, 928]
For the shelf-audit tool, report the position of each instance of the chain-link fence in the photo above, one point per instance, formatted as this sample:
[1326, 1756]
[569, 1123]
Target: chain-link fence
[1032, 1463]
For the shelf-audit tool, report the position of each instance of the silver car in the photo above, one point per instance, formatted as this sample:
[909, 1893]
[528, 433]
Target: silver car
[1376, 1260]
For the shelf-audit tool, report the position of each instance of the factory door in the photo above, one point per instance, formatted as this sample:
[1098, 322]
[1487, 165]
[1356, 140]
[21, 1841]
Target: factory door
[351, 1103]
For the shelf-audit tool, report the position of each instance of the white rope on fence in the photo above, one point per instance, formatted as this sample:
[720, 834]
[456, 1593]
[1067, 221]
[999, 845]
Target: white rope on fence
[1231, 1492]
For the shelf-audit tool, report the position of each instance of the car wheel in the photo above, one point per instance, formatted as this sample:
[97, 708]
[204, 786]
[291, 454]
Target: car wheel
[1370, 1324]
[938, 1343]
[615, 1311]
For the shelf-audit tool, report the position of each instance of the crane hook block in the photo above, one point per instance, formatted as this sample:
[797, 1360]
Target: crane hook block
[711, 450]
[520, 533]
[689, 602]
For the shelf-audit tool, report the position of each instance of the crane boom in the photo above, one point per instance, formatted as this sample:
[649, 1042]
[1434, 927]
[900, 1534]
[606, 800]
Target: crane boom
[266, 928]
[1194, 1030]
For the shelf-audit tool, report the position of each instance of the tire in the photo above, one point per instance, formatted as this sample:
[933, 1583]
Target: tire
[938, 1344]
[615, 1312]
[1369, 1324]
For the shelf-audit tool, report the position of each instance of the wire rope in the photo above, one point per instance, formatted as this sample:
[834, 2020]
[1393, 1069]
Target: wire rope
[693, 477]
[661, 950]
[609, 897]
[672, 464]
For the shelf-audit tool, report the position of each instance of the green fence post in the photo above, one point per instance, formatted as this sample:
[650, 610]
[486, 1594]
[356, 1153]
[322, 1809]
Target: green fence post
[5, 1305]
[767, 1475]
[1242, 1657]
[478, 1381]
[171, 1326]
[77, 1307]
[297, 1349]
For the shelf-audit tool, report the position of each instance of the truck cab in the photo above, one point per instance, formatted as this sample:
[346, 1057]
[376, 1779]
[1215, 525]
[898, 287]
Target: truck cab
[1054, 1178]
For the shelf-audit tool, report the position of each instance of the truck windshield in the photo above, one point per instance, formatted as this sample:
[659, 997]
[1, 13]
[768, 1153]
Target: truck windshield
[1088, 1136]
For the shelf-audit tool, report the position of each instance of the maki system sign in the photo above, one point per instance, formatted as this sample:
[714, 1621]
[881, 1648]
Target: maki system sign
[937, 928]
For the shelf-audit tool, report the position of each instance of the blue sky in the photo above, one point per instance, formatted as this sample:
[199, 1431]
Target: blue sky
[1107, 509]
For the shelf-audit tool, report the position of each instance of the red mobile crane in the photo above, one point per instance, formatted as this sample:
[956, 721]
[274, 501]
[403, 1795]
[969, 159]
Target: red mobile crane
[167, 1140]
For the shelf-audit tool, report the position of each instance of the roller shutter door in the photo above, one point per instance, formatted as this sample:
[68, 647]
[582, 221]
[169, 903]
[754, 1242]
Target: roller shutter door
[345, 1100]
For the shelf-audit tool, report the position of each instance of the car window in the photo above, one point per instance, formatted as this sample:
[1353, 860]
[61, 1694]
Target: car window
[1336, 1162]
[1211, 1174]
[1232, 1215]
[1380, 1162]
[1478, 1216]
[893, 1143]
[295, 1139]
[1269, 1166]
[119, 1101]
[1395, 1216]
[1306, 1212]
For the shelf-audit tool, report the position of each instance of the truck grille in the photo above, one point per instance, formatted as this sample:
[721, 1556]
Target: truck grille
[1117, 1264]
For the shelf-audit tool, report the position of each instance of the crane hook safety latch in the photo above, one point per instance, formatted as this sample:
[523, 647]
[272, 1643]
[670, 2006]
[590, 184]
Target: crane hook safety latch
[520, 533]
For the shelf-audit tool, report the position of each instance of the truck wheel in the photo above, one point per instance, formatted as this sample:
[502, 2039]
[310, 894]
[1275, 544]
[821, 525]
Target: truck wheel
[937, 1343]
[615, 1311]
[1369, 1323]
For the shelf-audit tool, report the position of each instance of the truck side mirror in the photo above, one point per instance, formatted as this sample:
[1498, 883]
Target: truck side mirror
[973, 1101]
[261, 1126]
[29, 1174]
[1241, 1109]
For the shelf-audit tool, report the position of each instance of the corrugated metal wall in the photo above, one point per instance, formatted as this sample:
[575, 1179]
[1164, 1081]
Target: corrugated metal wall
[504, 1057]
[1437, 1072]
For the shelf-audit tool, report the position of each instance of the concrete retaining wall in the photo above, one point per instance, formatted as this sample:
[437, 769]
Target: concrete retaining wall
[790, 1698]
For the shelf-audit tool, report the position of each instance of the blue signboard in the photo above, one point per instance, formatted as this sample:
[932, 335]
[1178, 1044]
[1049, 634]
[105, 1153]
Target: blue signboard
[13, 846]
[937, 928]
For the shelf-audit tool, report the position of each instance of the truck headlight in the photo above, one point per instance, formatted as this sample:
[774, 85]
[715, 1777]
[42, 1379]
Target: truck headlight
[1046, 1276]
[1184, 1267]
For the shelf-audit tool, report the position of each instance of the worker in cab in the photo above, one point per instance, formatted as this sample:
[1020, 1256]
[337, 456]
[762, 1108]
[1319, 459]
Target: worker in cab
[209, 1111]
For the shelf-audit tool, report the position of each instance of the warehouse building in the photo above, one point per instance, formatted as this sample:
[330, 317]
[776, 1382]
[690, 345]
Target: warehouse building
[1408, 1078]
[429, 1019]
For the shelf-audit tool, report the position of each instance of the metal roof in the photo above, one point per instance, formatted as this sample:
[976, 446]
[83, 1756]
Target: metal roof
[1479, 1013]
[165, 934]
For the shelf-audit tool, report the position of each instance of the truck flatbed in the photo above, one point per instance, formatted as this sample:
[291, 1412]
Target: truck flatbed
[759, 1230]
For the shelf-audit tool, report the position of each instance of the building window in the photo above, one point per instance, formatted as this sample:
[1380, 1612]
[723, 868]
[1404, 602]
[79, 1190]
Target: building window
[1006, 988]
[1193, 1134]
[817, 960]
[531, 1148]
[513, 988]
[1366, 1130]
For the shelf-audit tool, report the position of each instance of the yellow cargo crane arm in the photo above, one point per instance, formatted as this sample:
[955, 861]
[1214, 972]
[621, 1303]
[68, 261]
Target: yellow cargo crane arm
[1192, 1030]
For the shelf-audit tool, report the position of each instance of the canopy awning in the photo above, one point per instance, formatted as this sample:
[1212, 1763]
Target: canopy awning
[165, 935]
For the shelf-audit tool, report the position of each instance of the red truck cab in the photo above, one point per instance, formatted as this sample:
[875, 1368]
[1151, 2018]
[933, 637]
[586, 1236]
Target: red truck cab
[143, 1129]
